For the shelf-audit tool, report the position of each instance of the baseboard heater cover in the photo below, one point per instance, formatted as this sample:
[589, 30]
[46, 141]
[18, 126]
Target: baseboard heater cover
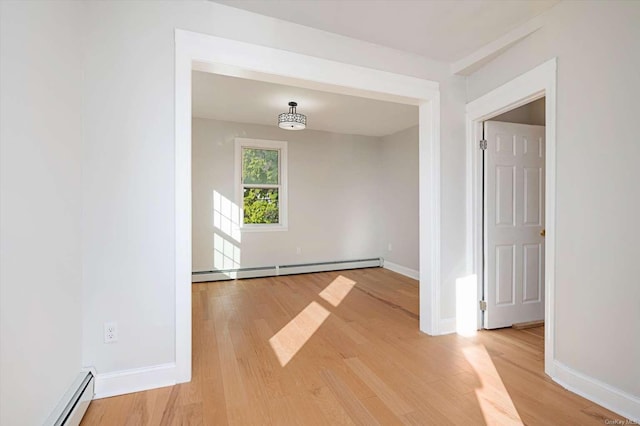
[277, 270]
[75, 402]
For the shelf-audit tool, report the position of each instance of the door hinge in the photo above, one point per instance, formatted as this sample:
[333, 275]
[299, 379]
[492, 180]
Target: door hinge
[483, 305]
[483, 144]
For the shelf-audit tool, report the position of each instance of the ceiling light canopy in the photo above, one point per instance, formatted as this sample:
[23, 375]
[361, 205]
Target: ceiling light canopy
[292, 120]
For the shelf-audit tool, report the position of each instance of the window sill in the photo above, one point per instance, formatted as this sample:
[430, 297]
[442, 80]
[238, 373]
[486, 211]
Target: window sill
[265, 228]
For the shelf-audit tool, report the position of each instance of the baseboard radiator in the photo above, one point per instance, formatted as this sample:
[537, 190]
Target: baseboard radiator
[75, 402]
[277, 270]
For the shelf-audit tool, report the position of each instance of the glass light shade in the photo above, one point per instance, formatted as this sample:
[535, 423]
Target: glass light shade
[292, 121]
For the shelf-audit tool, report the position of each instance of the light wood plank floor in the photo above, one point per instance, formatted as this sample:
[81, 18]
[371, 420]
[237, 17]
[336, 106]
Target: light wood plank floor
[344, 348]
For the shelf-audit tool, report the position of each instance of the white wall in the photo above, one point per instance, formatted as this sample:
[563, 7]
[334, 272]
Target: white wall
[598, 197]
[399, 198]
[334, 195]
[453, 198]
[531, 113]
[129, 160]
[40, 166]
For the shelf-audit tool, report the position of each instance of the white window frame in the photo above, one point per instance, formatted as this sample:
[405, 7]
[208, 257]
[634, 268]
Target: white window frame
[281, 146]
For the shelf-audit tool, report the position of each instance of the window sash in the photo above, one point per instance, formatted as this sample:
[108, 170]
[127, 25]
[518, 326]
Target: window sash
[267, 218]
[281, 187]
[279, 151]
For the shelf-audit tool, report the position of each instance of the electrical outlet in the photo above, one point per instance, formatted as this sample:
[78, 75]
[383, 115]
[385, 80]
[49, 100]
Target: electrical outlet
[110, 332]
[389, 247]
[298, 250]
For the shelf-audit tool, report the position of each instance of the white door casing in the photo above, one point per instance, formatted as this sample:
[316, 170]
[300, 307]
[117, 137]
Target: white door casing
[236, 58]
[538, 82]
[514, 223]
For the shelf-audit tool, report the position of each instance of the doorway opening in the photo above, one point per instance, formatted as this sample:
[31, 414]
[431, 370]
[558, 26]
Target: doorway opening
[233, 58]
[513, 192]
[538, 84]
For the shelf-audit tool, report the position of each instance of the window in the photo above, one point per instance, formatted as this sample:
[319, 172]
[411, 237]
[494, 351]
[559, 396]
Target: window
[261, 182]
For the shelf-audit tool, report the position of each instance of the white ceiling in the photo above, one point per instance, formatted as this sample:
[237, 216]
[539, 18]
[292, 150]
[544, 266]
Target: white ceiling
[249, 101]
[444, 30]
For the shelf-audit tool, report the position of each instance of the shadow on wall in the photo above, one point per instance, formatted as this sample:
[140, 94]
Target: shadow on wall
[227, 237]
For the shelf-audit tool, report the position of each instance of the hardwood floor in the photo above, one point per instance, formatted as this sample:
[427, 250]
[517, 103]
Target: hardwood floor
[344, 348]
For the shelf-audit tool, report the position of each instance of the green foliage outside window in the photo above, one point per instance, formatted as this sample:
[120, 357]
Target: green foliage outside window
[260, 167]
[261, 205]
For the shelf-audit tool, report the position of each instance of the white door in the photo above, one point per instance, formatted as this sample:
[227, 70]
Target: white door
[514, 223]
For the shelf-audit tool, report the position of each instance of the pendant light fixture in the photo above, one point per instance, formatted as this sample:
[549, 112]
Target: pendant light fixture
[292, 120]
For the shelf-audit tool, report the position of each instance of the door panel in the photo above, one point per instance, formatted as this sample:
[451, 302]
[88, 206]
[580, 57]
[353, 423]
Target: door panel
[532, 196]
[533, 272]
[505, 274]
[514, 220]
[505, 196]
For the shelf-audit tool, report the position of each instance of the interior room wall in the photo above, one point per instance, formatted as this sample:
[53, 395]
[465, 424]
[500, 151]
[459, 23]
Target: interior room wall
[399, 239]
[128, 184]
[453, 238]
[597, 291]
[333, 196]
[40, 207]
[531, 113]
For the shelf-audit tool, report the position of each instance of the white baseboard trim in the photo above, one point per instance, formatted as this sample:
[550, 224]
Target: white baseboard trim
[274, 271]
[77, 397]
[447, 326]
[403, 270]
[135, 380]
[614, 399]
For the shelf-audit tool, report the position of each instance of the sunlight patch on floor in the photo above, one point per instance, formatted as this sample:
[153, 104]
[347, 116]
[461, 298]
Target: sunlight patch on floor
[493, 398]
[292, 337]
[337, 290]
